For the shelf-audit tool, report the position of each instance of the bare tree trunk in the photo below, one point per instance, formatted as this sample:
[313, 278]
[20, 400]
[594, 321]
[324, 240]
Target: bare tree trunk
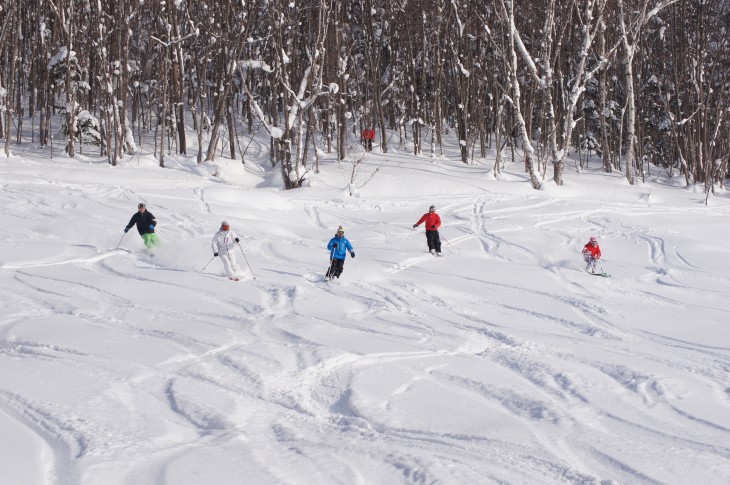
[177, 88]
[602, 107]
[516, 106]
[231, 134]
[497, 139]
[201, 70]
[628, 61]
[70, 98]
[13, 21]
[163, 106]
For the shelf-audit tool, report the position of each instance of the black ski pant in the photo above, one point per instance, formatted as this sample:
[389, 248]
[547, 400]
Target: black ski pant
[337, 266]
[433, 240]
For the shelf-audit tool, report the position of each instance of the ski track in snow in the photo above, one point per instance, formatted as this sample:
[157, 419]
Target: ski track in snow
[535, 372]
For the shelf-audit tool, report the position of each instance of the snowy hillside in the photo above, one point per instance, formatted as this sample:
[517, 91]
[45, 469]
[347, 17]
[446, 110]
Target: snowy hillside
[502, 362]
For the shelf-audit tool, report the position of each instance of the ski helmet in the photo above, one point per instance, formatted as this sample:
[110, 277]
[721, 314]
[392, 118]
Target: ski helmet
[593, 239]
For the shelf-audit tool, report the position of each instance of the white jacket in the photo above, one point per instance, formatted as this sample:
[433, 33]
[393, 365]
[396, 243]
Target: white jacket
[223, 241]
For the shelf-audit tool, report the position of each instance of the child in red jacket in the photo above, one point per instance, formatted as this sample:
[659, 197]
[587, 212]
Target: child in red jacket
[591, 254]
[368, 135]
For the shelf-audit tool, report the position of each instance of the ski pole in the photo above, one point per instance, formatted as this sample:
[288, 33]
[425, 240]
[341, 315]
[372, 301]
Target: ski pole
[120, 241]
[409, 234]
[246, 259]
[206, 264]
[447, 241]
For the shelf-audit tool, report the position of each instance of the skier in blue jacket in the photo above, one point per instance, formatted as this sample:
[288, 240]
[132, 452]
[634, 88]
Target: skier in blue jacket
[338, 248]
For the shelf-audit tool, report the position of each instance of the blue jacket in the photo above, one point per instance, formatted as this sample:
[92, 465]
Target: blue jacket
[343, 245]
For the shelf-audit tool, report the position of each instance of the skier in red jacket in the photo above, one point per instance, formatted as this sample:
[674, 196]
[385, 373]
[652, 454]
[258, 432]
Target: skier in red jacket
[433, 222]
[591, 254]
[368, 135]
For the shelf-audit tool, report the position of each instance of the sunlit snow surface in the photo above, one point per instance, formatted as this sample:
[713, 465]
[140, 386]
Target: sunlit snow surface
[502, 362]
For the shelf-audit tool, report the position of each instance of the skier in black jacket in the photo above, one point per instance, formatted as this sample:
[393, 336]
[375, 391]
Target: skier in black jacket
[146, 223]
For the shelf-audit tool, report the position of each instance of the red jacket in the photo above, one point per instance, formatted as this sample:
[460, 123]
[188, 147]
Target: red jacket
[594, 251]
[368, 134]
[433, 221]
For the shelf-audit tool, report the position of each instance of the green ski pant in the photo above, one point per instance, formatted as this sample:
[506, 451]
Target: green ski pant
[150, 240]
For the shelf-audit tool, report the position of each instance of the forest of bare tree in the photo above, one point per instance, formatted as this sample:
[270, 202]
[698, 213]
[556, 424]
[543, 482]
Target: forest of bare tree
[643, 84]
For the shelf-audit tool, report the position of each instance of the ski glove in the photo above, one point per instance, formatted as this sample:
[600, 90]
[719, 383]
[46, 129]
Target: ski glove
[152, 228]
[215, 254]
[125, 230]
[434, 227]
[237, 240]
[334, 245]
[352, 254]
[415, 226]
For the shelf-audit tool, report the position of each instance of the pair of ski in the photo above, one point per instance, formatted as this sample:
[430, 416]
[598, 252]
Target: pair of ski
[602, 273]
[328, 276]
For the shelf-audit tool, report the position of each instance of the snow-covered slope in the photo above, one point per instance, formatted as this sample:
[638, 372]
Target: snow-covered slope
[502, 362]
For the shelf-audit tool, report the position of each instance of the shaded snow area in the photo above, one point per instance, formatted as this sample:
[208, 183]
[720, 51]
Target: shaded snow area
[501, 362]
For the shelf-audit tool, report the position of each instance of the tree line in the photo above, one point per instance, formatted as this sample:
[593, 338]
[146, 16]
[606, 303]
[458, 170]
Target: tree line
[644, 84]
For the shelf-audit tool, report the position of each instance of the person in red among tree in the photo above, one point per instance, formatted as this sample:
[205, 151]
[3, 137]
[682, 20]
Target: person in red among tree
[433, 222]
[591, 254]
[368, 135]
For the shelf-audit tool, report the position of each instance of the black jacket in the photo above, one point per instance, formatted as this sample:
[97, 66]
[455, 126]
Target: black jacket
[144, 221]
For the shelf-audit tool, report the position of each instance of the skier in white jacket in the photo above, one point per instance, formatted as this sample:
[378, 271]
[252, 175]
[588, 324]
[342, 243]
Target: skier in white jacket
[223, 242]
